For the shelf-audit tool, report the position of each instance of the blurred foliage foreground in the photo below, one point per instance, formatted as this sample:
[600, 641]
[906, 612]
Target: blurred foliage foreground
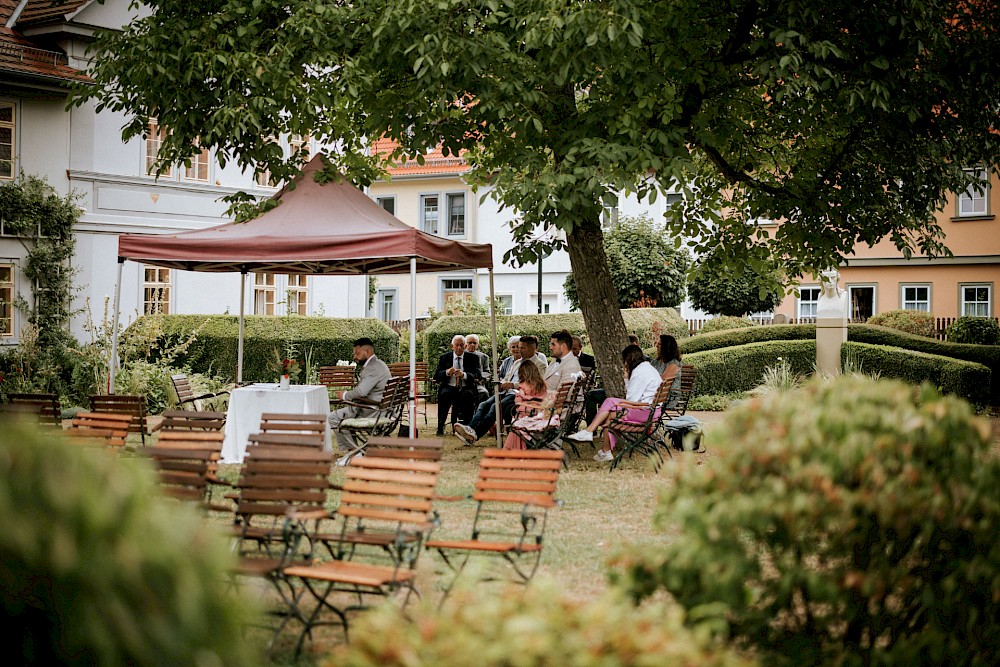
[97, 569]
[847, 522]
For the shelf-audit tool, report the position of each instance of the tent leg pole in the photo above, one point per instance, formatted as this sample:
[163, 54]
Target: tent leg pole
[113, 361]
[496, 342]
[413, 349]
[239, 344]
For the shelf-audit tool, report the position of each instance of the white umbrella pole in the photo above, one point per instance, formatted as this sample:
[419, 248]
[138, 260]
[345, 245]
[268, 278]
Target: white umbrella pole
[113, 362]
[496, 367]
[239, 344]
[413, 349]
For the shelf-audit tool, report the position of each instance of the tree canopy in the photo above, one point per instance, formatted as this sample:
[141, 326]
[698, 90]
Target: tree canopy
[646, 269]
[719, 288]
[850, 122]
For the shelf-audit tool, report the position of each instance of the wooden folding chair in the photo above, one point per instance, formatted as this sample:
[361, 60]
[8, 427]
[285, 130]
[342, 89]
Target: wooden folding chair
[186, 394]
[129, 405]
[576, 409]
[104, 429]
[421, 379]
[187, 471]
[514, 491]
[431, 449]
[190, 420]
[273, 481]
[384, 420]
[45, 406]
[293, 430]
[337, 378]
[550, 433]
[632, 436]
[385, 515]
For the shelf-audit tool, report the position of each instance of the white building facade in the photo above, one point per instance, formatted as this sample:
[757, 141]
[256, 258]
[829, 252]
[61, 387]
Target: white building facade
[81, 151]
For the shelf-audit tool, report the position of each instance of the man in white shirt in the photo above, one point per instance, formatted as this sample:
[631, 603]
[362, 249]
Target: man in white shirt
[564, 363]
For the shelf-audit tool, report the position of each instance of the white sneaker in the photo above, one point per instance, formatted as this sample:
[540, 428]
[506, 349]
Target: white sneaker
[466, 433]
[582, 436]
[604, 455]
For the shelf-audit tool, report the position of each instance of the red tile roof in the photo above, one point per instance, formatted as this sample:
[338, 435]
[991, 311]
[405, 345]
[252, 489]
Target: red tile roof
[43, 10]
[435, 162]
[21, 55]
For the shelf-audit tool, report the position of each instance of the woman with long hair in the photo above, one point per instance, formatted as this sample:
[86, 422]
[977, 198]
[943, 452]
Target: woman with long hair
[668, 361]
[641, 383]
[531, 395]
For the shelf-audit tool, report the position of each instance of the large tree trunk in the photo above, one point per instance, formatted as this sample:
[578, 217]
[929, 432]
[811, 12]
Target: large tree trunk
[599, 302]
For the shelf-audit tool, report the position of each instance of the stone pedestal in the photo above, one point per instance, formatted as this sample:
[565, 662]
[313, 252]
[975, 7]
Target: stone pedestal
[831, 333]
[831, 323]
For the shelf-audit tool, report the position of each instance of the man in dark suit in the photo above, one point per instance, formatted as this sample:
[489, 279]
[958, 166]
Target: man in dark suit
[587, 361]
[457, 373]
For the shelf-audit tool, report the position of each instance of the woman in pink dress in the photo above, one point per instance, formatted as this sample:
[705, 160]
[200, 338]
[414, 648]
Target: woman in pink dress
[531, 395]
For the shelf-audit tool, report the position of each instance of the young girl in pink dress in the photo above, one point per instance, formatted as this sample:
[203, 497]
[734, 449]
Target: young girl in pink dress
[531, 395]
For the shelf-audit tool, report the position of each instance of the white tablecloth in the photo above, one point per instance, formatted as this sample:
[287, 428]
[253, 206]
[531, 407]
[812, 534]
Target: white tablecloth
[247, 404]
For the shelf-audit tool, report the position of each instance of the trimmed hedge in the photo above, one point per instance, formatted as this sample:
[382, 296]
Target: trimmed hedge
[915, 322]
[756, 334]
[966, 379]
[987, 355]
[213, 352]
[740, 368]
[640, 321]
[724, 322]
[974, 330]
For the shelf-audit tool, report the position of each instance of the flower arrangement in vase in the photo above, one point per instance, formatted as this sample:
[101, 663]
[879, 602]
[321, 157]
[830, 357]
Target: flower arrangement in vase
[285, 368]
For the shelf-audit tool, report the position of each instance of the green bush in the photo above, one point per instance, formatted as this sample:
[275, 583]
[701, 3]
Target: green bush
[914, 322]
[537, 626]
[741, 368]
[987, 355]
[723, 322]
[714, 402]
[974, 331]
[967, 379]
[640, 321]
[760, 334]
[97, 569]
[213, 351]
[851, 522]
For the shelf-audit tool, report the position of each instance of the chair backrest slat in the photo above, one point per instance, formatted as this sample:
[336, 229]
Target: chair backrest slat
[46, 406]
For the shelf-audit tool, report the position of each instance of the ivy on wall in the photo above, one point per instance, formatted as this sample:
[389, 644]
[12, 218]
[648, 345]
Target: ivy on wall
[32, 212]
[43, 221]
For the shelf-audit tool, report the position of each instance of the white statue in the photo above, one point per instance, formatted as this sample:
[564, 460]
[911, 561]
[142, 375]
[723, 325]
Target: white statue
[832, 299]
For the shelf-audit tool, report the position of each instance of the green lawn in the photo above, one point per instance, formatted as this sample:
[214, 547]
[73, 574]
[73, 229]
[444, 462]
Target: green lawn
[601, 511]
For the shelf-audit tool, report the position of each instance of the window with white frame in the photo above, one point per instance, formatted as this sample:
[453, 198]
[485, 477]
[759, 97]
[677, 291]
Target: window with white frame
[549, 302]
[808, 301]
[672, 199]
[156, 291]
[198, 171]
[297, 295]
[916, 297]
[453, 291]
[386, 306]
[300, 143]
[977, 300]
[609, 217]
[8, 127]
[975, 200]
[263, 177]
[429, 213]
[388, 203]
[155, 134]
[456, 213]
[6, 300]
[263, 294]
[505, 304]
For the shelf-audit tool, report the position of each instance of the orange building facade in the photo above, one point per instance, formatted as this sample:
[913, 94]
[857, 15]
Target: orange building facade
[878, 278]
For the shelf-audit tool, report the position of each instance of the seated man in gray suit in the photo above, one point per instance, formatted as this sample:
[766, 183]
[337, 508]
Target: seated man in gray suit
[373, 375]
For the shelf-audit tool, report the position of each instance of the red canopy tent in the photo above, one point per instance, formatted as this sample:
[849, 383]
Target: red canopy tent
[317, 229]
